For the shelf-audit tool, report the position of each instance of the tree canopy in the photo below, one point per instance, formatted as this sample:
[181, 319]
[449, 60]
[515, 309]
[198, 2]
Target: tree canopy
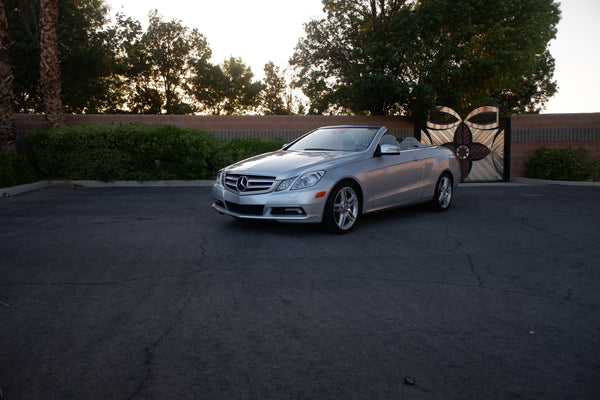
[158, 64]
[372, 57]
[383, 57]
[120, 67]
[85, 57]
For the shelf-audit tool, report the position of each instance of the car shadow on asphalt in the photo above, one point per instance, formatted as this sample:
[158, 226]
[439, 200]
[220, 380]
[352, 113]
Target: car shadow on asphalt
[249, 226]
[366, 222]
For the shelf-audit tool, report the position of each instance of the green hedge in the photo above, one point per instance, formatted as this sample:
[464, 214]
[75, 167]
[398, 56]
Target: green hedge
[564, 164]
[16, 170]
[135, 152]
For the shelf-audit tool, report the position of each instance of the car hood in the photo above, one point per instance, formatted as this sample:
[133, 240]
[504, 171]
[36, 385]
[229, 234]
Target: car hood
[285, 164]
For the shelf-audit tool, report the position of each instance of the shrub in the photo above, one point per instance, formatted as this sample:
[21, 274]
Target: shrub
[114, 152]
[135, 152]
[233, 150]
[16, 170]
[565, 164]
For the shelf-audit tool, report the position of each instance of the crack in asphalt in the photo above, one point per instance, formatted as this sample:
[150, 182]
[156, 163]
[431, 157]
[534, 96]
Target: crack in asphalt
[478, 285]
[528, 224]
[480, 282]
[473, 271]
[472, 265]
[149, 351]
[480, 332]
[447, 232]
[105, 283]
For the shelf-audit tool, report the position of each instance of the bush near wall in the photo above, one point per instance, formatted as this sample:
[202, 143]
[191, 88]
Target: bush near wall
[564, 164]
[136, 151]
[15, 170]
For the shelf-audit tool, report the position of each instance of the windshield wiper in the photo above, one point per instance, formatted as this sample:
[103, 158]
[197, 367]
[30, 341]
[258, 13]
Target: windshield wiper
[318, 149]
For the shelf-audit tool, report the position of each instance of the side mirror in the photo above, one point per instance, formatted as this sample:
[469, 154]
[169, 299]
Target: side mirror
[386, 149]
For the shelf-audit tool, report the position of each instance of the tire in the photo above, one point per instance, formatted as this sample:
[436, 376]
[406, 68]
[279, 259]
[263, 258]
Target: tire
[342, 208]
[444, 192]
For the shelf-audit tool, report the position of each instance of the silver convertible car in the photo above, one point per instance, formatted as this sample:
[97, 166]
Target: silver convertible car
[334, 174]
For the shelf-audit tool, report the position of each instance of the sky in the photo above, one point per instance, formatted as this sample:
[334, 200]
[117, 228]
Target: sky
[259, 31]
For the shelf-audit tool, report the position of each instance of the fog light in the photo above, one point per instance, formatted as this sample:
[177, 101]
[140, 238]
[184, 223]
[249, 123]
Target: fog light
[291, 211]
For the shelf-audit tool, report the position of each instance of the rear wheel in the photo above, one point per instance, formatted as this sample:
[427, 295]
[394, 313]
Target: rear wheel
[442, 198]
[342, 208]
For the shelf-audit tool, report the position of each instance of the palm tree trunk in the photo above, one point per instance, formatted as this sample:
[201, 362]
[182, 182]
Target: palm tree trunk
[49, 68]
[8, 132]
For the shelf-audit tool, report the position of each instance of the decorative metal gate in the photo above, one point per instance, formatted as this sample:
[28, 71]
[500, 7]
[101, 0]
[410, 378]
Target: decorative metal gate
[481, 142]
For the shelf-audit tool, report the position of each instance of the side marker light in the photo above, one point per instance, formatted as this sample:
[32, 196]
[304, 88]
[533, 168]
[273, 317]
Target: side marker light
[320, 194]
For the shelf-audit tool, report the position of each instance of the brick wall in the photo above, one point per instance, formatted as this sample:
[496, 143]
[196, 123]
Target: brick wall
[287, 127]
[529, 132]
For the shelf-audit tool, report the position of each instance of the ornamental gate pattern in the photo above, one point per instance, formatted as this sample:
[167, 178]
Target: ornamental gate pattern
[481, 142]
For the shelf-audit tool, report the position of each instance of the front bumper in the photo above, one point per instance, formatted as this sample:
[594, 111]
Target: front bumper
[284, 206]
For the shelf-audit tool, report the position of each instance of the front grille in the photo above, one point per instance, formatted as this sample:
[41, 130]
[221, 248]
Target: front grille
[245, 209]
[247, 184]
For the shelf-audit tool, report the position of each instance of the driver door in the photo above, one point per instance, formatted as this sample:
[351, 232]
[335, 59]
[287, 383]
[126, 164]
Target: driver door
[394, 179]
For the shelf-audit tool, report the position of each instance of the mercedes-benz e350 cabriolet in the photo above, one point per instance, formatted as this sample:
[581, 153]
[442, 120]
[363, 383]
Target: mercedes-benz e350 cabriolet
[333, 175]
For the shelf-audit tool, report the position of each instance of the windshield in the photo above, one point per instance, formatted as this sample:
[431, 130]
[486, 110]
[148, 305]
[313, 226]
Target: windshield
[336, 139]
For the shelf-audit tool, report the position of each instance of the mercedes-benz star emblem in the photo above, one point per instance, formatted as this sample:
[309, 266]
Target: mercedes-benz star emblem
[241, 184]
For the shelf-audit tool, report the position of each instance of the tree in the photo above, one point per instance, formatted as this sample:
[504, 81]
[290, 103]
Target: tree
[274, 99]
[23, 24]
[49, 69]
[226, 89]
[165, 57]
[498, 55]
[124, 38]
[209, 86]
[346, 62]
[120, 67]
[85, 55]
[87, 59]
[8, 133]
[242, 93]
[395, 56]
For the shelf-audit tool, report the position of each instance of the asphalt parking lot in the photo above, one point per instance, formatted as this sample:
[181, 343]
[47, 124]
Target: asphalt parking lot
[146, 293]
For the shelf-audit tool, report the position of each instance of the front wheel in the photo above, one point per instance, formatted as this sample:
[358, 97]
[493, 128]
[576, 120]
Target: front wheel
[442, 198]
[342, 208]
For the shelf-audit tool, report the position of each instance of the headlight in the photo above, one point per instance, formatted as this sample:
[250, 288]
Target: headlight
[307, 180]
[220, 176]
[285, 184]
[303, 181]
